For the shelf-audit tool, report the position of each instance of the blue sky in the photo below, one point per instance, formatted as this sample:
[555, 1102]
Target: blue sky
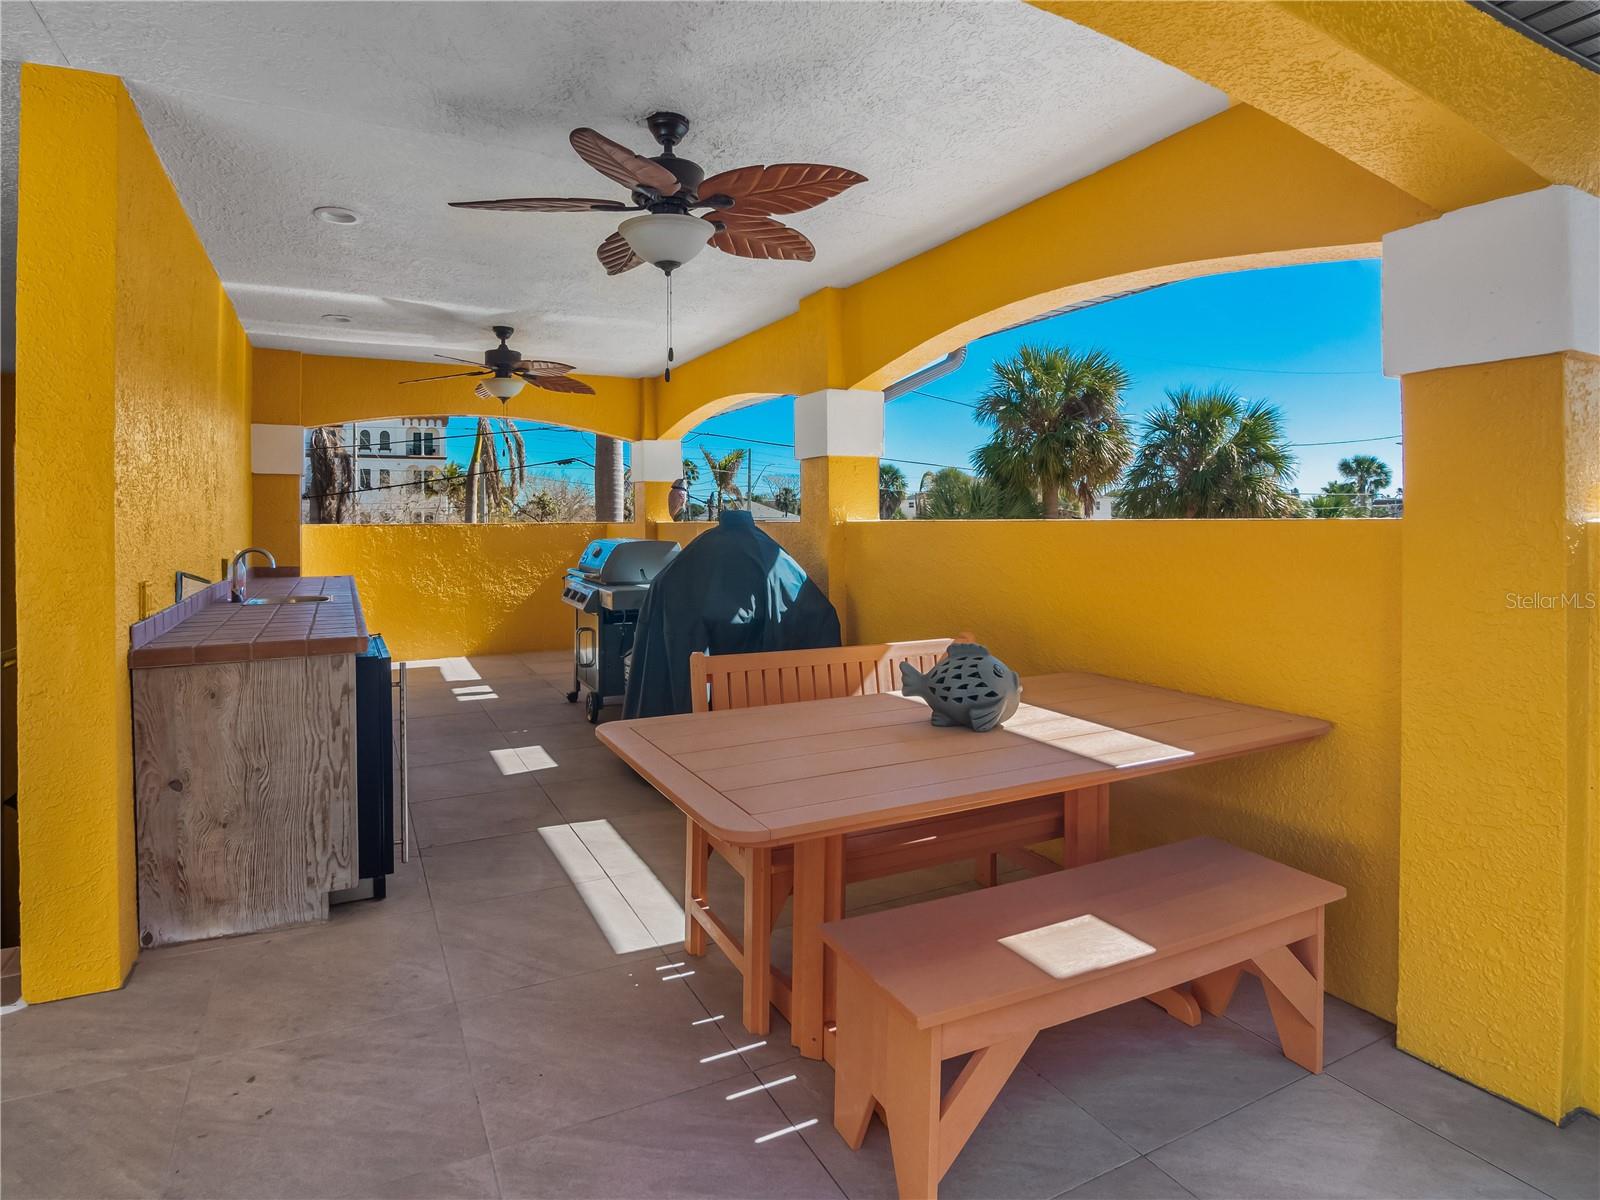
[1305, 338]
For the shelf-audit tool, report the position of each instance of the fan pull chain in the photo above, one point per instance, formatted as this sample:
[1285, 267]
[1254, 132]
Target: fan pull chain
[668, 377]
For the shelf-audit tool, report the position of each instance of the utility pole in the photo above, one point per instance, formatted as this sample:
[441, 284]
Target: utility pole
[749, 481]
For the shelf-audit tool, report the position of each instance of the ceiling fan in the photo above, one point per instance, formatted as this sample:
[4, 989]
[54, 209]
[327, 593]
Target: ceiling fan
[667, 189]
[505, 371]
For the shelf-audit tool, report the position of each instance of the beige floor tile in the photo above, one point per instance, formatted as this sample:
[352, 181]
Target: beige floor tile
[1149, 1078]
[1140, 1179]
[105, 1140]
[1346, 1028]
[440, 749]
[469, 668]
[484, 815]
[557, 726]
[698, 1144]
[421, 730]
[605, 797]
[719, 987]
[336, 1114]
[154, 1020]
[485, 868]
[1034, 1142]
[491, 769]
[1321, 1140]
[1561, 1161]
[532, 937]
[470, 1179]
[564, 764]
[545, 709]
[566, 1052]
[442, 703]
[352, 971]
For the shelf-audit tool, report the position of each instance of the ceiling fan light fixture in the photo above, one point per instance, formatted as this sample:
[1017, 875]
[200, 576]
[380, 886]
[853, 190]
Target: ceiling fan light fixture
[503, 386]
[666, 240]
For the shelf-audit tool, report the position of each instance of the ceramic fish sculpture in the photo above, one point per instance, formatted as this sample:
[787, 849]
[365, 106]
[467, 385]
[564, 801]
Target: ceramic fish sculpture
[969, 686]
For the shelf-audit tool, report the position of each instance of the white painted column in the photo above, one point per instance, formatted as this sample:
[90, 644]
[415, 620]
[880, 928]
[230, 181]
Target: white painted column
[1512, 278]
[838, 423]
[277, 449]
[656, 464]
[658, 461]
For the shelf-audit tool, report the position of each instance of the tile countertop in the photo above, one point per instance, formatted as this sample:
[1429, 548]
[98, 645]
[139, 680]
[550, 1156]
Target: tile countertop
[220, 631]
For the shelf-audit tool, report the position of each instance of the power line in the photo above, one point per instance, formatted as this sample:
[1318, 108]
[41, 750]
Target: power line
[1177, 362]
[1394, 437]
[437, 478]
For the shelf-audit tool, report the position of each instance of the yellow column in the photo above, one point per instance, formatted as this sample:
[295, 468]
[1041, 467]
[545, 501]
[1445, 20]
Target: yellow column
[275, 401]
[80, 928]
[1490, 321]
[838, 438]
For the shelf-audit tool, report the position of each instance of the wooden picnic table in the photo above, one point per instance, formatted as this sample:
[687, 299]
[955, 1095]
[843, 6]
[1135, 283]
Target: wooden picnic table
[805, 775]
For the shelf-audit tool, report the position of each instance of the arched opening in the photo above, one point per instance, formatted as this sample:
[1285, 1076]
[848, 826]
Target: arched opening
[443, 470]
[1276, 370]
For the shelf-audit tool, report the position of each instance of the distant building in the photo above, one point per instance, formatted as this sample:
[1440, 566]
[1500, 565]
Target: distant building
[390, 459]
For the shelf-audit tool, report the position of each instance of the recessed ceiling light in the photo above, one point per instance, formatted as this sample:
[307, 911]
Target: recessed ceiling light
[337, 318]
[334, 215]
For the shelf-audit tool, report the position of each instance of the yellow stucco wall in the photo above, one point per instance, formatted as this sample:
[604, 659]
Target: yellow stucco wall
[1294, 615]
[292, 388]
[1498, 730]
[1588, 1004]
[435, 590]
[130, 464]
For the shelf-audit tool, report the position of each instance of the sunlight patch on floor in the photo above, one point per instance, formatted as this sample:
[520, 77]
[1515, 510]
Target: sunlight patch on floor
[520, 760]
[633, 908]
[450, 669]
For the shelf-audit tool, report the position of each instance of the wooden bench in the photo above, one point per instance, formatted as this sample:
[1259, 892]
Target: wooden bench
[725, 681]
[931, 981]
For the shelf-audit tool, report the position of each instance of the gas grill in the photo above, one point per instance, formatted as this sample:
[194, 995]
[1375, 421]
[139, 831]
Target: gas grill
[606, 589]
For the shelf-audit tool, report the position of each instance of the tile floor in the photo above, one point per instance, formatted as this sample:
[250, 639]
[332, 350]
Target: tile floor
[517, 1020]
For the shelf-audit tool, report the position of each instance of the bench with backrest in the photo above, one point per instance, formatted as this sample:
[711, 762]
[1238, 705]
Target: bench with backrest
[725, 681]
[928, 982]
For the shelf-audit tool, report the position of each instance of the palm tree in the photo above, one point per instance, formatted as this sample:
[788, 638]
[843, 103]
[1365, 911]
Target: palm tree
[492, 489]
[786, 500]
[450, 481]
[1211, 453]
[1058, 426]
[950, 494]
[1337, 500]
[332, 477]
[724, 477]
[891, 490]
[1368, 473]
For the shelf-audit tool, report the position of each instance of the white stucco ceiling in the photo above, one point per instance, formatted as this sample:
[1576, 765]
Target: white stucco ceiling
[262, 111]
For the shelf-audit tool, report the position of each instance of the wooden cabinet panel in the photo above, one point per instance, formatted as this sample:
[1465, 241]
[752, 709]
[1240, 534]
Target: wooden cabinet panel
[245, 794]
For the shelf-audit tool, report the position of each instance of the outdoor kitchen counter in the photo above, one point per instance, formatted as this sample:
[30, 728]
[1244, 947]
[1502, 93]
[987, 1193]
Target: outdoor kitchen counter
[209, 628]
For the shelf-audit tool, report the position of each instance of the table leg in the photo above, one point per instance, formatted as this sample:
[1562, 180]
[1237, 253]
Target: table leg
[1086, 838]
[696, 855]
[815, 888]
[1086, 825]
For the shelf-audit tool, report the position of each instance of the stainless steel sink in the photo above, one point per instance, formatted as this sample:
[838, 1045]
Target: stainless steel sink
[287, 599]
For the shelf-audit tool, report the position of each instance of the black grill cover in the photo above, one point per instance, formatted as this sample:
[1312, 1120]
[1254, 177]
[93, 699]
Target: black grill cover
[733, 590]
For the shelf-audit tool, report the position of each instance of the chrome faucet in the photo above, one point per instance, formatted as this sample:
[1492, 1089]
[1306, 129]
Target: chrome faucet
[236, 573]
